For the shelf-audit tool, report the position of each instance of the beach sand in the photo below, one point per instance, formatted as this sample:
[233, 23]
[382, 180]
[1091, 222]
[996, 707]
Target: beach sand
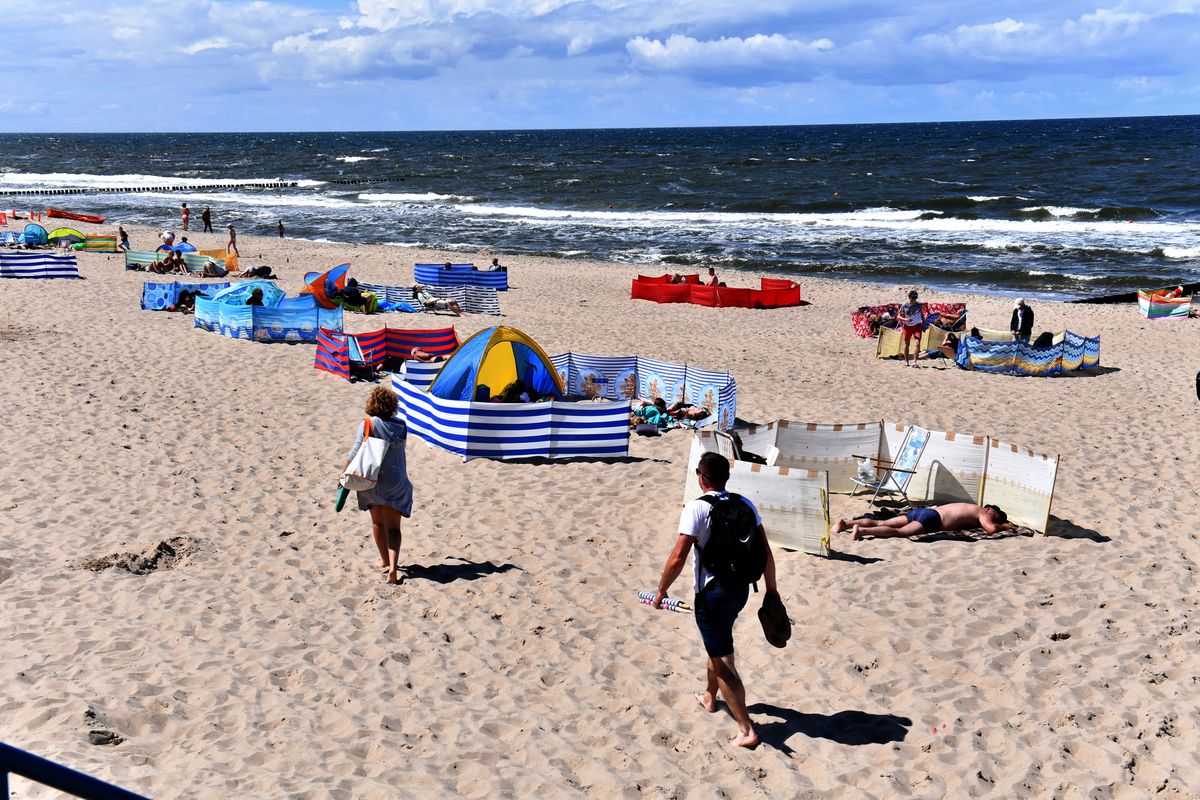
[259, 654]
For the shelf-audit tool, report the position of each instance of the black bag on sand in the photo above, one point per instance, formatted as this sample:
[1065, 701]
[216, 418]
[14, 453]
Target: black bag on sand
[774, 618]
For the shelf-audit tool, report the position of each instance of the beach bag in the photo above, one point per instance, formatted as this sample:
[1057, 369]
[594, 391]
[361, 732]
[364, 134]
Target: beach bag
[735, 554]
[773, 616]
[362, 472]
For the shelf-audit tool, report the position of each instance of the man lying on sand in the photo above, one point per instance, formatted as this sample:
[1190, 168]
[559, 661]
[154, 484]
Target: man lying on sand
[950, 517]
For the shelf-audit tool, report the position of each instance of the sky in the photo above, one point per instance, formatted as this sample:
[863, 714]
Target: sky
[312, 65]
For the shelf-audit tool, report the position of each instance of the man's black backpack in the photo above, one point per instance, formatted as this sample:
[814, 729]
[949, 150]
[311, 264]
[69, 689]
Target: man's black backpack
[735, 554]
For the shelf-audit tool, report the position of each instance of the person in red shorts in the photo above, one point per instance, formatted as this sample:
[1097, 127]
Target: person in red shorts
[912, 323]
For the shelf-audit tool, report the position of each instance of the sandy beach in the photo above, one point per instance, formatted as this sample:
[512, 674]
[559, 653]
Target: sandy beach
[259, 655]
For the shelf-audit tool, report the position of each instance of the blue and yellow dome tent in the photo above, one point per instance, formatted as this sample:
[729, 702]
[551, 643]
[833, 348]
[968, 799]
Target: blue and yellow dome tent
[495, 357]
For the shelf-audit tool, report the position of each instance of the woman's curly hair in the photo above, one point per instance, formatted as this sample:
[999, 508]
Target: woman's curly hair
[381, 403]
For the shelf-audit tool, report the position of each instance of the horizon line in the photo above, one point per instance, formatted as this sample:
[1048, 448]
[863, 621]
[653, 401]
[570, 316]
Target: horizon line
[618, 128]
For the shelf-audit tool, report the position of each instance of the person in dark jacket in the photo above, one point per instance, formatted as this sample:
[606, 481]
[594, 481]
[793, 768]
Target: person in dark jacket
[1022, 321]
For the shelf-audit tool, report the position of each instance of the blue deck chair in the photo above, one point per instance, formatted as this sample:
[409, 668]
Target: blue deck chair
[893, 475]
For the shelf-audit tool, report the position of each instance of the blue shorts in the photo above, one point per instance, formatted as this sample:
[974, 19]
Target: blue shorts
[931, 520]
[717, 608]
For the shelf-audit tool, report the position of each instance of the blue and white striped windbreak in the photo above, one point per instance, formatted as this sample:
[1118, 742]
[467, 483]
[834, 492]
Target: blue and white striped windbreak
[551, 429]
[35, 264]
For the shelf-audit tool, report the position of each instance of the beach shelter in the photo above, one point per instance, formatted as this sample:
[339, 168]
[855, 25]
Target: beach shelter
[65, 236]
[35, 234]
[185, 247]
[1164, 303]
[239, 293]
[495, 357]
[321, 284]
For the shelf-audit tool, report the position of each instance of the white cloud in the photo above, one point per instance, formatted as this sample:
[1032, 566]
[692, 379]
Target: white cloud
[683, 53]
[215, 43]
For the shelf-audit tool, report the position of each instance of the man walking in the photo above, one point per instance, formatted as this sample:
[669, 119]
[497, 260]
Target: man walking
[231, 247]
[719, 599]
[206, 218]
[1022, 322]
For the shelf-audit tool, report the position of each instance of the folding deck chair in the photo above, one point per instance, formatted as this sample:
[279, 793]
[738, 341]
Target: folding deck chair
[897, 472]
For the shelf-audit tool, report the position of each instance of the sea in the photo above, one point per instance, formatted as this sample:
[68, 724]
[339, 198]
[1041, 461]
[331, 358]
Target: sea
[1045, 208]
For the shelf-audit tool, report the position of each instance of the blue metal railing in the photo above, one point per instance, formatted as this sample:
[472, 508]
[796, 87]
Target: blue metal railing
[56, 776]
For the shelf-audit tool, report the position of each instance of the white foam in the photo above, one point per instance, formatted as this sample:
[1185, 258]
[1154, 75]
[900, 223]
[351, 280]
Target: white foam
[1181, 252]
[264, 200]
[987, 198]
[414, 197]
[355, 159]
[1060, 211]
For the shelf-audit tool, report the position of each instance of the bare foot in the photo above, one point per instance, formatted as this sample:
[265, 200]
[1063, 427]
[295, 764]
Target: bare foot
[381, 564]
[855, 535]
[750, 740]
[706, 701]
[392, 579]
[839, 526]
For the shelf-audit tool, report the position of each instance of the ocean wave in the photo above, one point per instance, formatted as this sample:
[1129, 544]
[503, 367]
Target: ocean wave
[1179, 252]
[991, 198]
[882, 218]
[414, 197]
[261, 201]
[356, 159]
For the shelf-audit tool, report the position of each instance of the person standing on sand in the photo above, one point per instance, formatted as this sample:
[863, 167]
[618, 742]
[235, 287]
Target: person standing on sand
[912, 324]
[231, 247]
[1021, 324]
[206, 218]
[280, 229]
[717, 603]
[392, 498]
[185, 215]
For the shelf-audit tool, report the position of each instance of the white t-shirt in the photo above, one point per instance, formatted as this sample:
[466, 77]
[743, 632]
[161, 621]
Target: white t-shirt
[693, 521]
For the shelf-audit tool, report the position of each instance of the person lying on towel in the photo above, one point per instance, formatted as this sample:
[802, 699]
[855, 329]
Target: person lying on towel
[686, 411]
[654, 413]
[430, 302]
[931, 519]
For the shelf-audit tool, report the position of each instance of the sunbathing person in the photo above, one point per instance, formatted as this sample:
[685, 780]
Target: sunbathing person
[684, 410]
[417, 354]
[258, 272]
[654, 413]
[214, 270]
[186, 303]
[430, 302]
[931, 519]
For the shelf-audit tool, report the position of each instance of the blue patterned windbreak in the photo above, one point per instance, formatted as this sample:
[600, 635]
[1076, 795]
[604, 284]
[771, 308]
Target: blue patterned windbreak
[1068, 353]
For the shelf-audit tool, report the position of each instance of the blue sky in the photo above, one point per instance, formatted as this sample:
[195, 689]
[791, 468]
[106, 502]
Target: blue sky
[231, 65]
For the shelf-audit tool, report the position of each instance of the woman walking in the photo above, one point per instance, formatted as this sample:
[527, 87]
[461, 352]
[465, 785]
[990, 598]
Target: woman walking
[391, 498]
